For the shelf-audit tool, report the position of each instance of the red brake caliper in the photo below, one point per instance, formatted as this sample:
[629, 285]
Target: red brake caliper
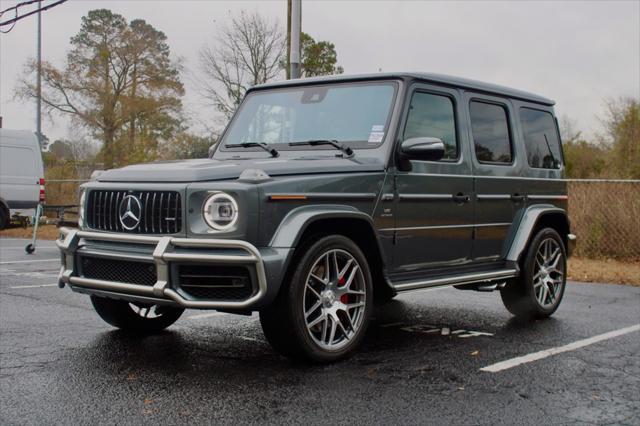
[345, 297]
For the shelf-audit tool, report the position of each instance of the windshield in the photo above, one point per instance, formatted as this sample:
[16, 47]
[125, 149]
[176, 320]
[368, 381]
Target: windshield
[356, 114]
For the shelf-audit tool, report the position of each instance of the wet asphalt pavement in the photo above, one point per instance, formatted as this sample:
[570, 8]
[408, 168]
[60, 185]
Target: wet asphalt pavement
[420, 364]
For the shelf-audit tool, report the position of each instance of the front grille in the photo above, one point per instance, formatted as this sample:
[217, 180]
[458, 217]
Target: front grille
[160, 212]
[123, 271]
[213, 282]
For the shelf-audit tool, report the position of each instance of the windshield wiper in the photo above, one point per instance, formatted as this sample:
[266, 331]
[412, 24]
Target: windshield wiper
[334, 143]
[272, 151]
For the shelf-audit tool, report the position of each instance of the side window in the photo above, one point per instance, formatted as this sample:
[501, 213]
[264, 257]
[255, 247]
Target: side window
[491, 136]
[432, 116]
[540, 138]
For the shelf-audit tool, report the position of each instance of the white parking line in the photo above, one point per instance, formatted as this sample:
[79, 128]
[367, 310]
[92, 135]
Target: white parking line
[57, 259]
[514, 362]
[28, 274]
[209, 315]
[250, 339]
[35, 286]
[22, 248]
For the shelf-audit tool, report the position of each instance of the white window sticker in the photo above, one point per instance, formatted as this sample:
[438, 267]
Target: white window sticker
[377, 128]
[376, 137]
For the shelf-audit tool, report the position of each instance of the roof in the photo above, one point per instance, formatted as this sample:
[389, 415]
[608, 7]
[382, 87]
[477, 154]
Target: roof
[18, 136]
[427, 77]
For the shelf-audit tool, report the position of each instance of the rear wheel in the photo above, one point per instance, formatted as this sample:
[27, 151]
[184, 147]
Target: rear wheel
[538, 291]
[137, 317]
[323, 312]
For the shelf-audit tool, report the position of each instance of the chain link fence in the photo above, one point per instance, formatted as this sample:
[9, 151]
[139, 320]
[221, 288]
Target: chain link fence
[62, 200]
[605, 214]
[63, 191]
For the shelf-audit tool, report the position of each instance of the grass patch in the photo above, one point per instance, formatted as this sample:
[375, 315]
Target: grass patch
[604, 271]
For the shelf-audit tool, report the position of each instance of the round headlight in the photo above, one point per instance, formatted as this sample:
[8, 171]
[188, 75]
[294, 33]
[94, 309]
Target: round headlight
[81, 208]
[220, 211]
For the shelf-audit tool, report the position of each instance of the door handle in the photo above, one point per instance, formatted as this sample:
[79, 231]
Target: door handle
[516, 198]
[461, 198]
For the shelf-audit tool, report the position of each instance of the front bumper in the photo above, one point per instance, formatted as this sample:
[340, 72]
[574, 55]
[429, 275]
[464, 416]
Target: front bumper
[165, 251]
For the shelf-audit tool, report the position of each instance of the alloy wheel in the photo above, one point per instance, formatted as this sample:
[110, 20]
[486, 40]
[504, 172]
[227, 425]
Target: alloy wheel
[548, 273]
[334, 299]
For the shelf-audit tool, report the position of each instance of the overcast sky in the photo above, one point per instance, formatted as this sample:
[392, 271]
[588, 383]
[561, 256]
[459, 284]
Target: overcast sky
[578, 53]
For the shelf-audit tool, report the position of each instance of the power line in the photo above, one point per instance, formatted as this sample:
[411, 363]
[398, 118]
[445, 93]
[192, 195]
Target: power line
[16, 6]
[16, 18]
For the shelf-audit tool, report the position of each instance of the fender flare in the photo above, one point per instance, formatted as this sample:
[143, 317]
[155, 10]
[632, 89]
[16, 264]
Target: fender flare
[297, 221]
[529, 218]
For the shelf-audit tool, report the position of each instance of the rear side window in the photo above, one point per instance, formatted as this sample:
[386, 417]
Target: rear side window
[491, 136]
[541, 138]
[432, 116]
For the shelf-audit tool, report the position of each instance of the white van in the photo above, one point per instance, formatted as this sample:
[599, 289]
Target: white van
[21, 173]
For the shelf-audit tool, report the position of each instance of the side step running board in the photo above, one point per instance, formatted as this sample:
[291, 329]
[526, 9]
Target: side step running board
[476, 277]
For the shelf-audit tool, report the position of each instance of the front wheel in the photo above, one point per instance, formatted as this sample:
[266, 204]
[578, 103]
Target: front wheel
[538, 291]
[323, 312]
[140, 318]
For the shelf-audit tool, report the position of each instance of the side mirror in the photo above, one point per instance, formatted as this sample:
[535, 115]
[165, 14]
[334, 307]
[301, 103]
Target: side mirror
[423, 148]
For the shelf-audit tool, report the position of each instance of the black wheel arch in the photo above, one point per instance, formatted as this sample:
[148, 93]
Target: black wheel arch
[555, 220]
[309, 223]
[532, 220]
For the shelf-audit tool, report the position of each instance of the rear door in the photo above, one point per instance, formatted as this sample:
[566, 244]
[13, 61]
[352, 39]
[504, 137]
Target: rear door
[497, 168]
[19, 167]
[434, 202]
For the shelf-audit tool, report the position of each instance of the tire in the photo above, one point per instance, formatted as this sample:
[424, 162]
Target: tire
[322, 317]
[4, 218]
[30, 248]
[538, 291]
[135, 317]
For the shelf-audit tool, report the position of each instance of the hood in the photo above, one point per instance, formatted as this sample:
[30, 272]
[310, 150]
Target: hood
[210, 169]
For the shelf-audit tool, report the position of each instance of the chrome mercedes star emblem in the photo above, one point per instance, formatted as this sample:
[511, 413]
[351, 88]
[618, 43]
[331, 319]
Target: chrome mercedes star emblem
[130, 212]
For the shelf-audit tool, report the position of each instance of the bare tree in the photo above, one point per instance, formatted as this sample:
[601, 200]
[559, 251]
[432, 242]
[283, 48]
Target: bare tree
[248, 51]
[622, 125]
[119, 82]
[568, 129]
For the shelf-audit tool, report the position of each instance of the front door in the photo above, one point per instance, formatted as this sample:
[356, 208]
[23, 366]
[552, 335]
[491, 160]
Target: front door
[434, 199]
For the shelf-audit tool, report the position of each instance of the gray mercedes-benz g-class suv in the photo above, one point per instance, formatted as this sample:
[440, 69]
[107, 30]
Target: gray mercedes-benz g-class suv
[326, 194]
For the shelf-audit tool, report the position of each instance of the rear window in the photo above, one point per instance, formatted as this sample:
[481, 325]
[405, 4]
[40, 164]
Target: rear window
[491, 136]
[541, 138]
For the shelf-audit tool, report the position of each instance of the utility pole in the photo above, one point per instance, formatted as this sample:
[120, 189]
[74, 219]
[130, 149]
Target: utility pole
[288, 67]
[39, 80]
[296, 24]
